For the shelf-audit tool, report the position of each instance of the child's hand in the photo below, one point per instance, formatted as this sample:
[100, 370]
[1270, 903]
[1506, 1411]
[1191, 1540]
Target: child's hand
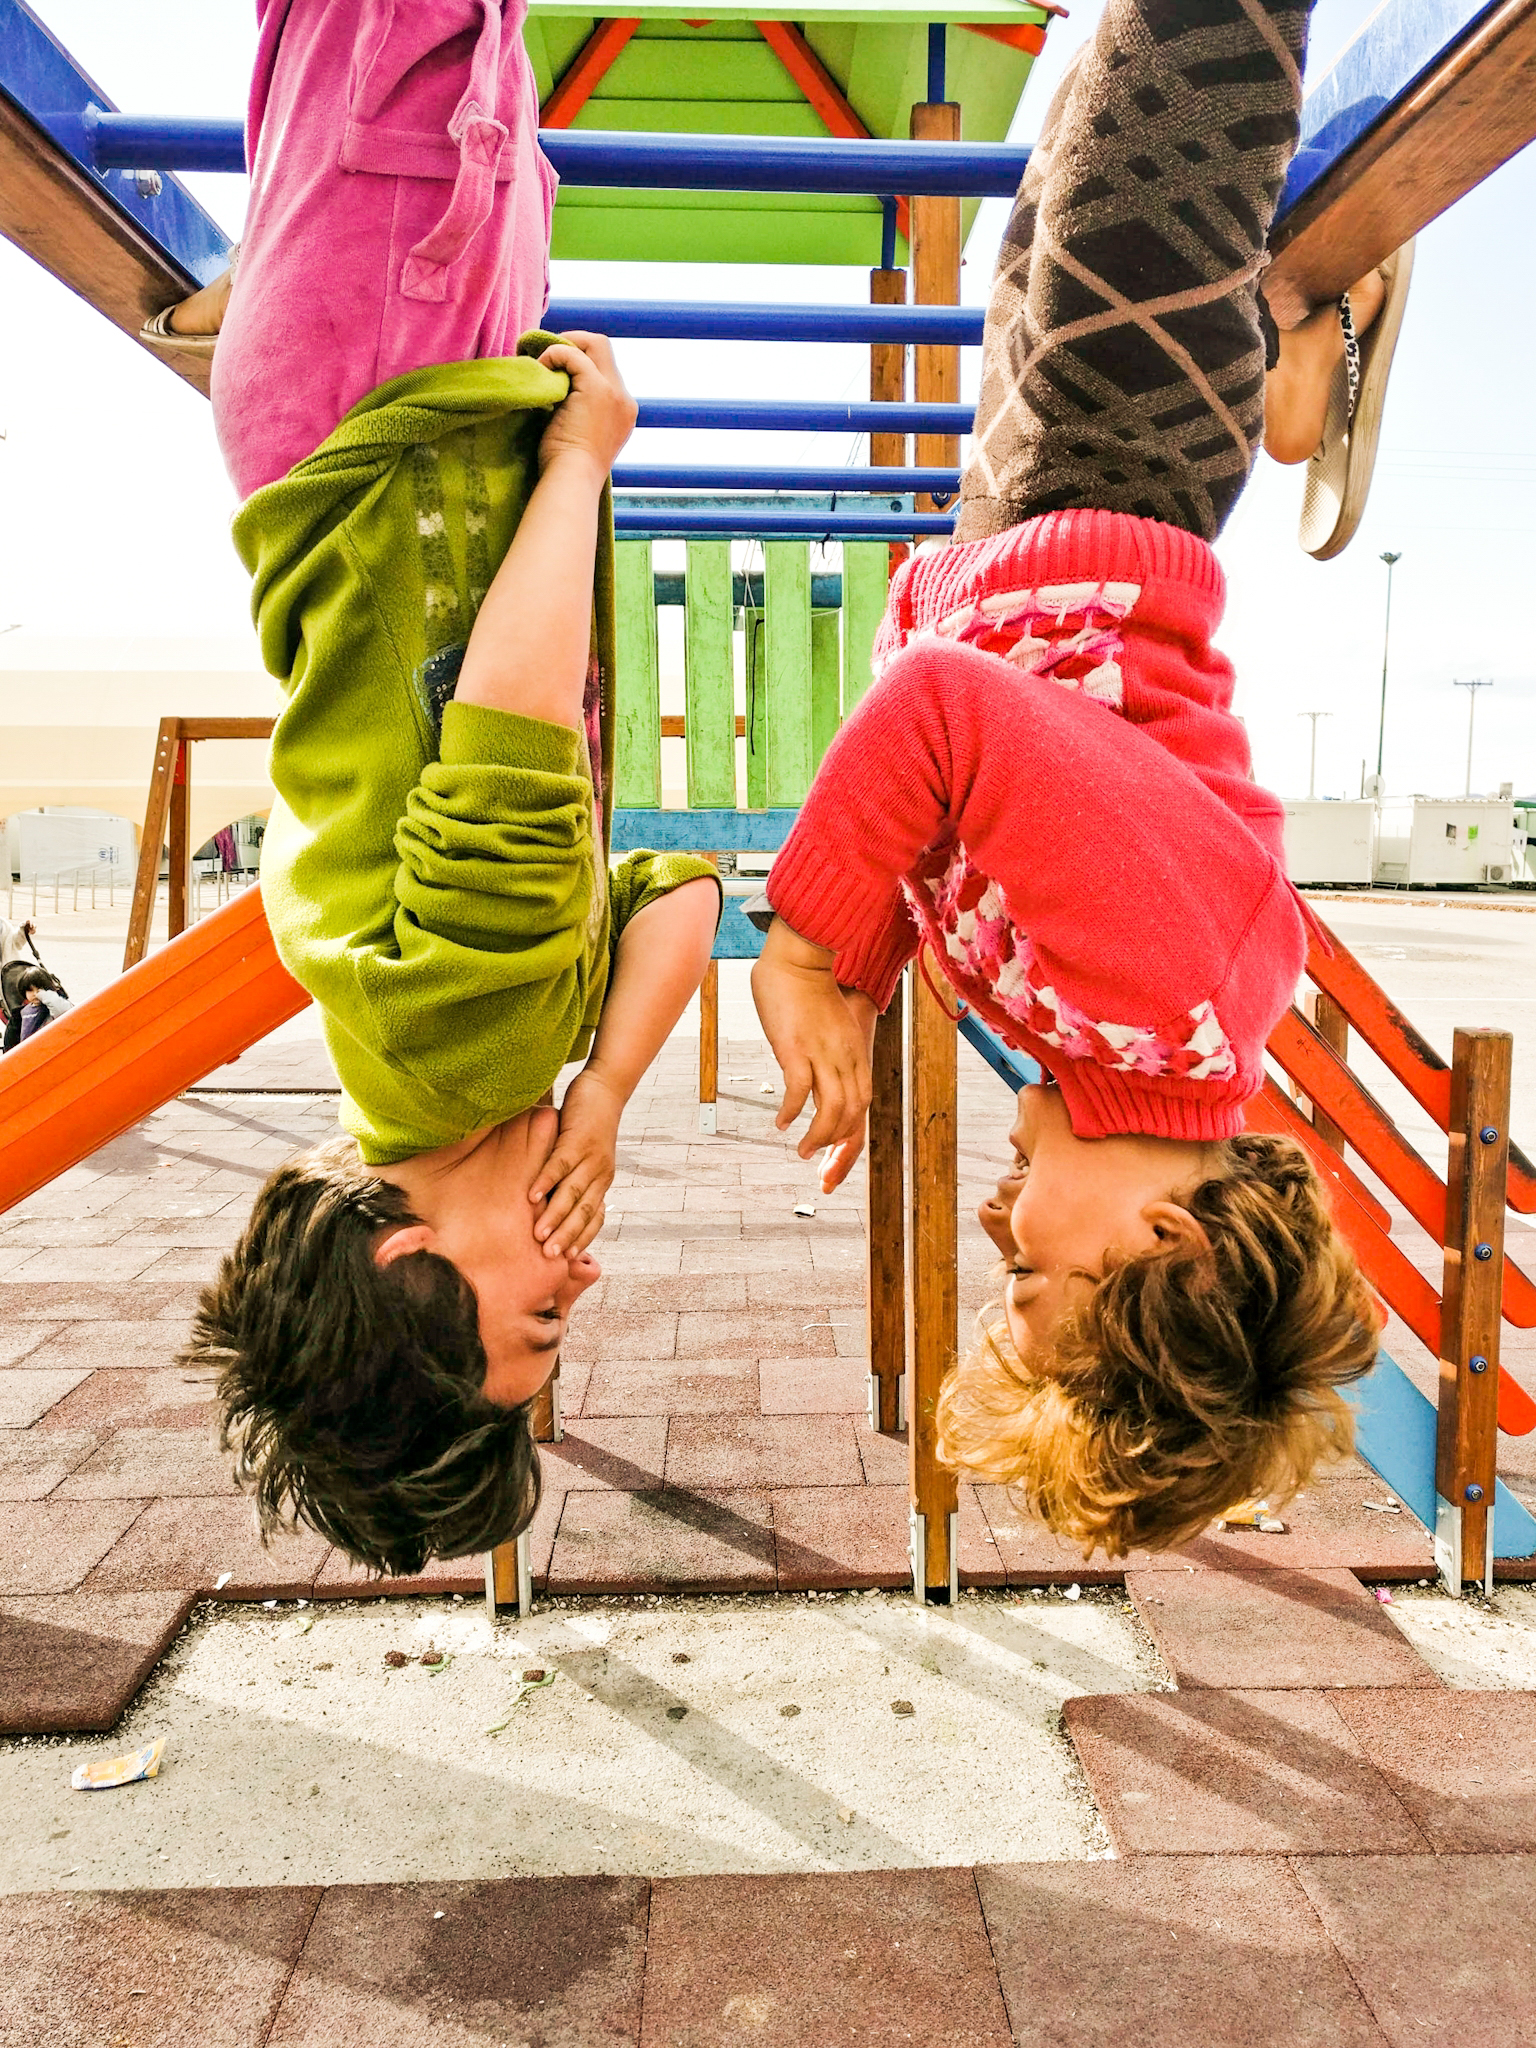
[822, 1038]
[598, 417]
[579, 1172]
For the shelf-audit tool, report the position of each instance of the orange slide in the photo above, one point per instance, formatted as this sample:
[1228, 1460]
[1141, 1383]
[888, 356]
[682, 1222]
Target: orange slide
[198, 1002]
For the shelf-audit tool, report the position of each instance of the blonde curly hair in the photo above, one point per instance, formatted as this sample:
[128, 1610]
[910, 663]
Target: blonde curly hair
[1192, 1379]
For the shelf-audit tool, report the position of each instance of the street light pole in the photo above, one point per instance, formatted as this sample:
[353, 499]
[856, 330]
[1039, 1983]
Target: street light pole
[1312, 770]
[1472, 687]
[1386, 639]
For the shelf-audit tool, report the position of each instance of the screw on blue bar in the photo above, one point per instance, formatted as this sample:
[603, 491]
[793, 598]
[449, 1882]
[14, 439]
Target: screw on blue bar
[1489, 1135]
[938, 39]
[788, 416]
[872, 483]
[618, 159]
[769, 525]
[1477, 1365]
[688, 320]
[1482, 1251]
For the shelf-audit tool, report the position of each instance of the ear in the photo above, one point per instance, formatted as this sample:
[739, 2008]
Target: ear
[399, 1244]
[1174, 1225]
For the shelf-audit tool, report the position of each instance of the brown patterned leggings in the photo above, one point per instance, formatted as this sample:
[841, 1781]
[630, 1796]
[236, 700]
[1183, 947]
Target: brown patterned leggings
[1125, 347]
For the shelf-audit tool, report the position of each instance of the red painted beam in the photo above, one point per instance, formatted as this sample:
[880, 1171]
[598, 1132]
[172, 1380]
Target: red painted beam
[201, 1000]
[826, 97]
[586, 71]
[1028, 36]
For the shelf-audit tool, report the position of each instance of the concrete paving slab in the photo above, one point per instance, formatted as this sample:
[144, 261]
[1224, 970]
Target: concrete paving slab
[188, 1545]
[1273, 1630]
[762, 1450]
[882, 1957]
[34, 1461]
[560, 1961]
[1462, 1763]
[21, 1340]
[1440, 1950]
[1223, 1952]
[1235, 1773]
[28, 1392]
[686, 1541]
[150, 1969]
[49, 1546]
[71, 1662]
[1471, 1643]
[592, 1774]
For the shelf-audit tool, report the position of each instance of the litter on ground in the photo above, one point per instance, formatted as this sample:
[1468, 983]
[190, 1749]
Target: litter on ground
[118, 1770]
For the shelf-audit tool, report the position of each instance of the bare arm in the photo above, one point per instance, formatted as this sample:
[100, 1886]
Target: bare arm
[661, 958]
[529, 644]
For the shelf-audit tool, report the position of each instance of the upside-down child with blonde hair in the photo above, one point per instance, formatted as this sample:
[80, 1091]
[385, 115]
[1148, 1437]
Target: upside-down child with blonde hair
[1048, 789]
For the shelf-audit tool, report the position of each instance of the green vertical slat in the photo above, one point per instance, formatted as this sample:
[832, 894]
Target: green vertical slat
[754, 628]
[787, 566]
[711, 683]
[826, 706]
[637, 774]
[866, 573]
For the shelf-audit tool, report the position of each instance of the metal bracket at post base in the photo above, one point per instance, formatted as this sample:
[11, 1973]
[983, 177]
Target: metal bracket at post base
[924, 1594]
[1448, 1558]
[522, 1564]
[874, 1402]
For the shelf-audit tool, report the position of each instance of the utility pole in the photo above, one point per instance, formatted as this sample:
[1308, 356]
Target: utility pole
[1312, 770]
[1472, 687]
[1386, 639]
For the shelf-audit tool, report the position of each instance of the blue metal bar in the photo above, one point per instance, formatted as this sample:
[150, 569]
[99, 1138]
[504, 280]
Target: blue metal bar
[767, 525]
[1014, 1069]
[938, 40]
[671, 588]
[690, 320]
[596, 157]
[872, 483]
[789, 416]
[887, 234]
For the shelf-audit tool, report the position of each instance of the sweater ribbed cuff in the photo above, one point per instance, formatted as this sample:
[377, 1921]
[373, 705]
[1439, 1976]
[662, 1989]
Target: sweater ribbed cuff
[1103, 1103]
[478, 736]
[826, 904]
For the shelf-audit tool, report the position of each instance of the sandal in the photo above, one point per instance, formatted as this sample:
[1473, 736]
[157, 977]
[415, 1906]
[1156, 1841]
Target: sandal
[158, 333]
[1339, 474]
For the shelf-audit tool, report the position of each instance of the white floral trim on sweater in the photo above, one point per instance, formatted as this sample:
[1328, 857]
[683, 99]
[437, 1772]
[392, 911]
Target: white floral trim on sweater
[1067, 632]
[970, 916]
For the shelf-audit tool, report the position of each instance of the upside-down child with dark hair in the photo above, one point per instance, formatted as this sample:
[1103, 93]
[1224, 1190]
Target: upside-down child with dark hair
[1047, 788]
[429, 533]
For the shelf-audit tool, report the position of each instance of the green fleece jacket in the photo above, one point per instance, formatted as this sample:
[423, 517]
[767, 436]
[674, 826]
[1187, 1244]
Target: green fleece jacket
[433, 872]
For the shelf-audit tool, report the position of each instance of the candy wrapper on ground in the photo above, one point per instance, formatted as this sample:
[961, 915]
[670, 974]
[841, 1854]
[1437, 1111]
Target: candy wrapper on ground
[118, 1770]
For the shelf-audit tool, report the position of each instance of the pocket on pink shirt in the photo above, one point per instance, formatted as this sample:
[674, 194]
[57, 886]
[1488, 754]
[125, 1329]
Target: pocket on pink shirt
[411, 63]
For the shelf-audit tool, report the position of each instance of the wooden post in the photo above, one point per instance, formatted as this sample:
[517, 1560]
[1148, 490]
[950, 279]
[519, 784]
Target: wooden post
[544, 1414]
[932, 1282]
[1331, 1024]
[509, 1577]
[936, 282]
[887, 369]
[886, 1304]
[1471, 1306]
[156, 812]
[709, 1041]
[180, 863]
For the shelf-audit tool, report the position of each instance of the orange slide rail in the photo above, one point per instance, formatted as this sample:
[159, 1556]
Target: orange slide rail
[201, 1000]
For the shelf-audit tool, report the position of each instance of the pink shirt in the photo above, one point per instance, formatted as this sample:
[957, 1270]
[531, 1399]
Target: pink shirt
[399, 213]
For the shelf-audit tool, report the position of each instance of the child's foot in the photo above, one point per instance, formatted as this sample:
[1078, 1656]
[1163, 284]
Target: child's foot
[193, 325]
[1297, 389]
[1339, 470]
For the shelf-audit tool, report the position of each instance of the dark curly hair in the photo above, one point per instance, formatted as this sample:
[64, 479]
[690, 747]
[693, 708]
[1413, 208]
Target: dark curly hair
[1191, 1380]
[352, 1393]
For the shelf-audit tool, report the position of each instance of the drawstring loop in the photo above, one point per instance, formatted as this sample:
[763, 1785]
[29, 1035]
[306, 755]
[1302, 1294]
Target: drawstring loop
[480, 137]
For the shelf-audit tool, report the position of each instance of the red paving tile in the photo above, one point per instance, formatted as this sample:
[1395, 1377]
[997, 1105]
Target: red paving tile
[671, 1541]
[755, 1333]
[49, 1546]
[34, 1461]
[27, 1393]
[813, 1386]
[762, 1450]
[192, 1543]
[839, 1290]
[108, 1343]
[627, 1452]
[873, 1957]
[638, 1293]
[1270, 1630]
[340, 1579]
[154, 1398]
[1462, 1763]
[1441, 1951]
[1212, 1952]
[20, 1340]
[557, 1961]
[146, 1464]
[1234, 1773]
[648, 1334]
[213, 1962]
[69, 1301]
[833, 1537]
[71, 1662]
[672, 1386]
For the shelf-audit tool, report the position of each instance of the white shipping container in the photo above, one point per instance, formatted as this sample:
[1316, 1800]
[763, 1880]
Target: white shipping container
[1326, 841]
[1428, 842]
[43, 844]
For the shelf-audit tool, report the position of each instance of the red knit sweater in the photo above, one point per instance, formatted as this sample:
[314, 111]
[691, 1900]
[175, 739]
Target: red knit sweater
[1046, 781]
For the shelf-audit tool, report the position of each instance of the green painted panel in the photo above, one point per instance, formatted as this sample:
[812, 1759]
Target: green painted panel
[711, 71]
[826, 705]
[754, 628]
[700, 117]
[637, 770]
[868, 13]
[664, 235]
[709, 676]
[787, 566]
[866, 567]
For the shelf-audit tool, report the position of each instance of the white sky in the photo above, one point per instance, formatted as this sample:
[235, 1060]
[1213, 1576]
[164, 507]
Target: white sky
[114, 505]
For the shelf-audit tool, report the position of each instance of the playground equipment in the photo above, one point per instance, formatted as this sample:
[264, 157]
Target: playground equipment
[1422, 106]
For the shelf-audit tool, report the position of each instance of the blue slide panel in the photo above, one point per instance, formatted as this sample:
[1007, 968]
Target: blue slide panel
[1014, 1069]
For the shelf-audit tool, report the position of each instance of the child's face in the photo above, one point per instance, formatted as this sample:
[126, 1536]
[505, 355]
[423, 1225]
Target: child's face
[1071, 1201]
